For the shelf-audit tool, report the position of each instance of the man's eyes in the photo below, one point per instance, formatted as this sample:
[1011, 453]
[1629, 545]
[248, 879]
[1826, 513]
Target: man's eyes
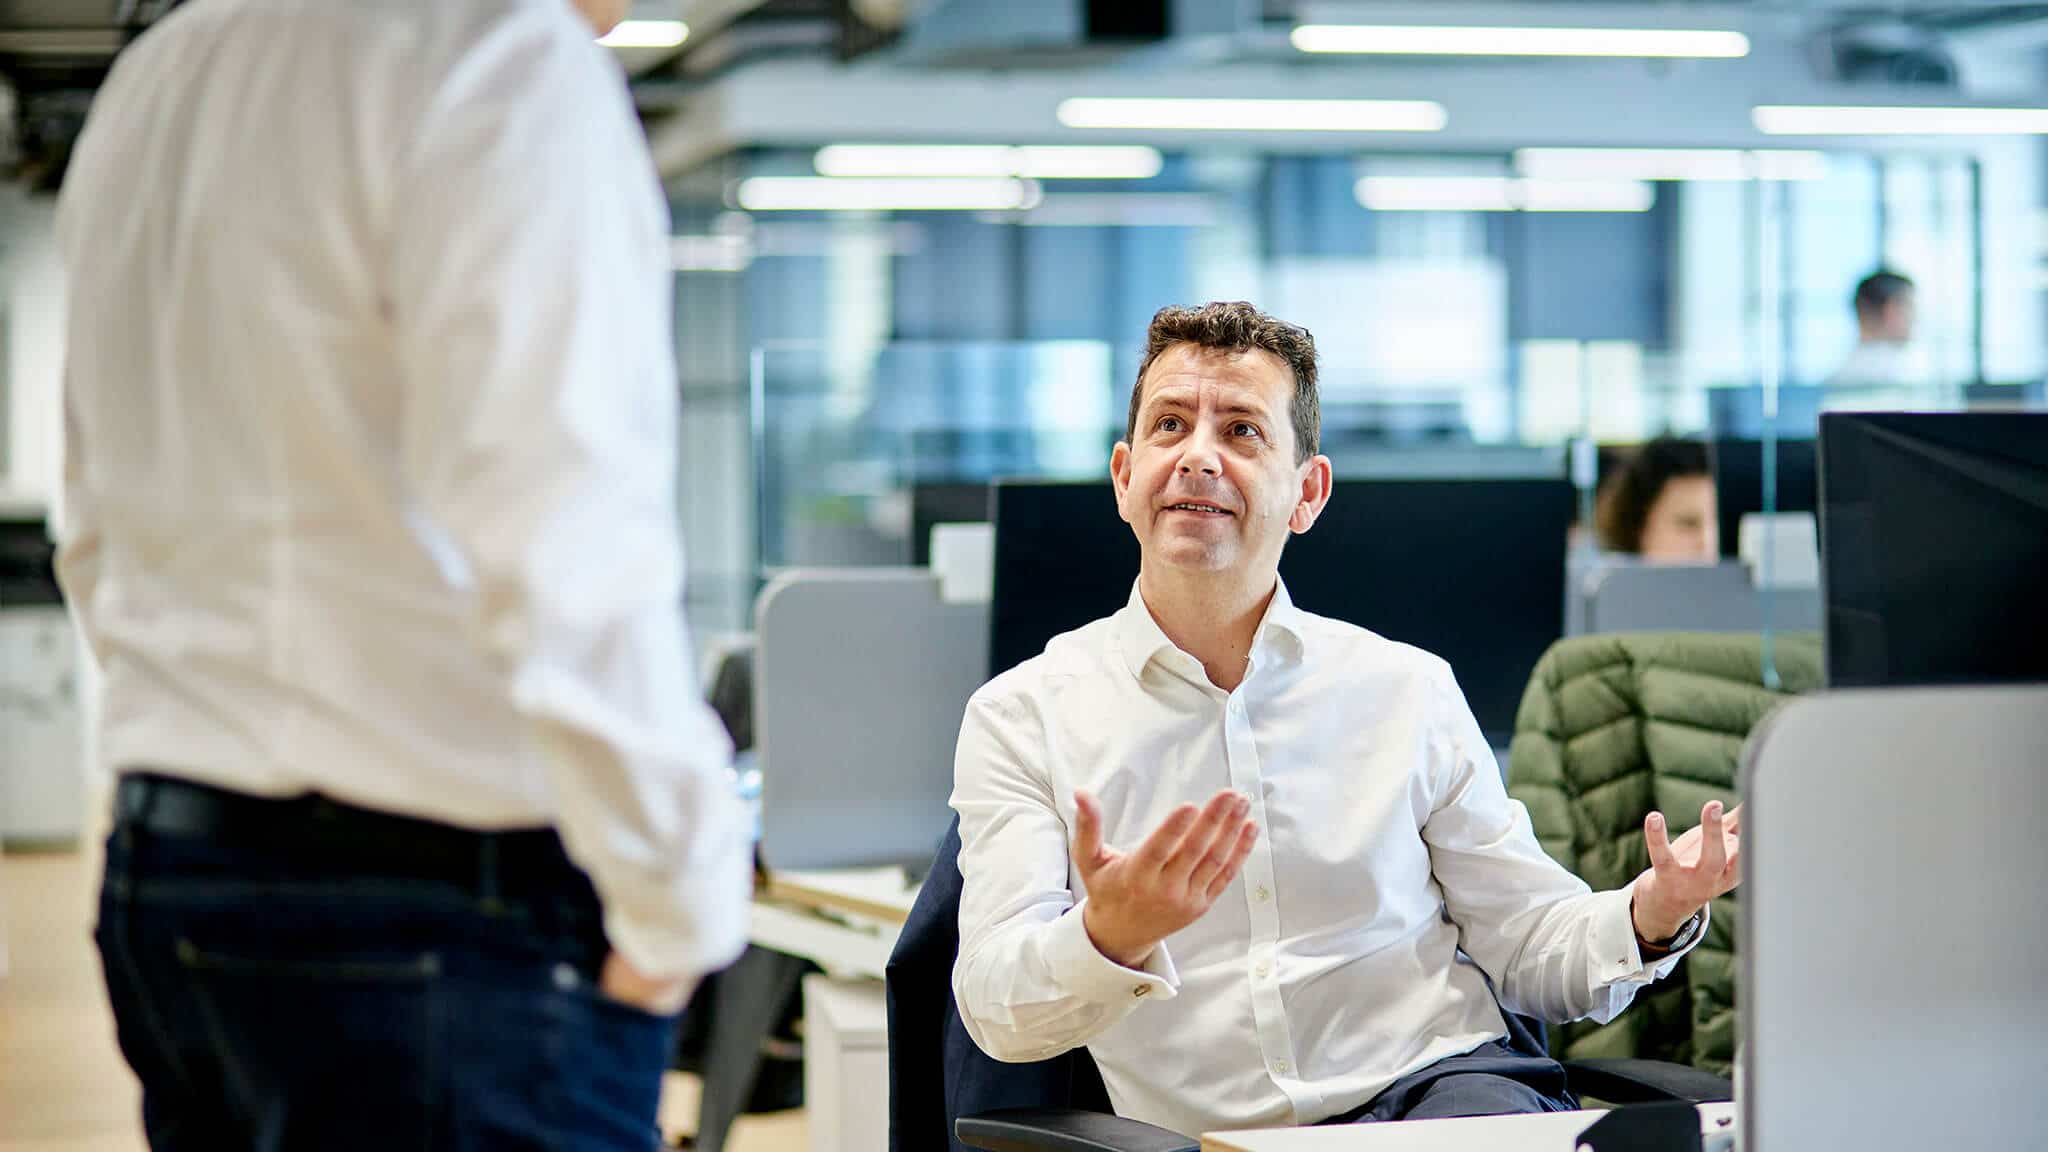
[1241, 428]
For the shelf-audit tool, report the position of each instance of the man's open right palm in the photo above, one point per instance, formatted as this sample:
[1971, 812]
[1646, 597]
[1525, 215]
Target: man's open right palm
[1137, 899]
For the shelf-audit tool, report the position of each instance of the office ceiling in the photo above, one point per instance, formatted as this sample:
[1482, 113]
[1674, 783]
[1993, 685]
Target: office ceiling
[54, 53]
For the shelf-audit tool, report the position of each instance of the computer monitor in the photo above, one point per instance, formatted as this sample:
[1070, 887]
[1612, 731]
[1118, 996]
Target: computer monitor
[1739, 483]
[943, 502]
[1934, 547]
[1471, 570]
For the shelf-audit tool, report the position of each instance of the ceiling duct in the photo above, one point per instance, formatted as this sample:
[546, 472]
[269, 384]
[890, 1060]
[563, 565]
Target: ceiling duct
[1889, 52]
[1047, 33]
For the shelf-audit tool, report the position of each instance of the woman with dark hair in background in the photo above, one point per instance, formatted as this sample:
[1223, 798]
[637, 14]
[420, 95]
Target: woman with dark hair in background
[1661, 505]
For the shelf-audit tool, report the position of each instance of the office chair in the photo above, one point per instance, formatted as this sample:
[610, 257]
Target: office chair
[969, 1100]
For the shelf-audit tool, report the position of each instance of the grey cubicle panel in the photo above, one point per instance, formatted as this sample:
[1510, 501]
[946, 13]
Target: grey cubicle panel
[1693, 598]
[860, 680]
[1894, 992]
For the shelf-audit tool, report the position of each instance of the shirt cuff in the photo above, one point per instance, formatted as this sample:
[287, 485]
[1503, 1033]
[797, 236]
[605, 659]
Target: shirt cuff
[1616, 958]
[1083, 971]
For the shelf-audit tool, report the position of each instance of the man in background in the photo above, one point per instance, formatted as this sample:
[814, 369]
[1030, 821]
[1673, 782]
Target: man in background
[1886, 308]
[422, 833]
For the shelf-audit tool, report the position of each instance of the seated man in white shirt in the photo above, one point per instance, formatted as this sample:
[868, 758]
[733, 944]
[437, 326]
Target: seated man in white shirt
[1260, 862]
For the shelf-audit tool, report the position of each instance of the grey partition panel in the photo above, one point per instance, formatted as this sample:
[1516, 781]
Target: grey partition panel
[860, 681]
[1894, 992]
[1694, 598]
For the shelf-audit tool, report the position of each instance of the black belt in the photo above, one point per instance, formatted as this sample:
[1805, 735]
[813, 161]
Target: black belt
[317, 832]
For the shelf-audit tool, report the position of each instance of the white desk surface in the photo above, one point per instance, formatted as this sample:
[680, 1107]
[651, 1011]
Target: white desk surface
[1549, 1132]
[846, 922]
[883, 894]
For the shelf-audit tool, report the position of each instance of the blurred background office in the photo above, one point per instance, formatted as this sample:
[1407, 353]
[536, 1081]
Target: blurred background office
[917, 242]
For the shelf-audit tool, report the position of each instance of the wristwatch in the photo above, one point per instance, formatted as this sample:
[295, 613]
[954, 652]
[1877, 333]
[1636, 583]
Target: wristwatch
[1684, 936]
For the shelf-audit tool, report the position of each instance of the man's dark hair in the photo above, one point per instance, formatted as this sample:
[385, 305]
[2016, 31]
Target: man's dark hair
[1239, 327]
[1628, 496]
[1876, 292]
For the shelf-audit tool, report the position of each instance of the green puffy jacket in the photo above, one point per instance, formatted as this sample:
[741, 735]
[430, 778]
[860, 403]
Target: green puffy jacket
[1613, 726]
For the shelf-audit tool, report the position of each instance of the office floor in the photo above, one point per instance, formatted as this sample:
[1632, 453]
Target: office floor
[63, 1086]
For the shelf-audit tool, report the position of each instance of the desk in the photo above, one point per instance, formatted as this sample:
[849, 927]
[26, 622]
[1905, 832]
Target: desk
[845, 922]
[1550, 1132]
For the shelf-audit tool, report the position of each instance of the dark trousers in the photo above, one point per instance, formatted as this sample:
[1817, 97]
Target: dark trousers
[300, 975]
[1491, 1080]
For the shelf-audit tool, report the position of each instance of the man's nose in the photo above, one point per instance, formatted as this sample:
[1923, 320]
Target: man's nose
[1199, 455]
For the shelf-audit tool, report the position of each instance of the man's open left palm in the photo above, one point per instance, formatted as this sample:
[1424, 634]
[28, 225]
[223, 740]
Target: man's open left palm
[1687, 872]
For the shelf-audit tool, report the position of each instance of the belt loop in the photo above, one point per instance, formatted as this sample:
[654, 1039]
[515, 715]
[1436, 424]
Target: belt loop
[132, 796]
[487, 873]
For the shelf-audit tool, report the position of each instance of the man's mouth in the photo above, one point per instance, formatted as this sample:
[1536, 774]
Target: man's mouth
[1199, 508]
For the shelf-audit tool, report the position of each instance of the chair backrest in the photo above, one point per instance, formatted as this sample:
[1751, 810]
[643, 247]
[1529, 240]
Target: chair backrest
[1894, 923]
[1694, 598]
[839, 648]
[937, 1073]
[1612, 727]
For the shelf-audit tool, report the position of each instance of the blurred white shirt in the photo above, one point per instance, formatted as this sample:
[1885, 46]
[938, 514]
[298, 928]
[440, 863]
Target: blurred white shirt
[371, 429]
[1392, 875]
[1877, 364]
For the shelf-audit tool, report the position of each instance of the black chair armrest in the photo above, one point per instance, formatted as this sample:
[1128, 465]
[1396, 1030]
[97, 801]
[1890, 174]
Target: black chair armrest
[1065, 1130]
[1645, 1081]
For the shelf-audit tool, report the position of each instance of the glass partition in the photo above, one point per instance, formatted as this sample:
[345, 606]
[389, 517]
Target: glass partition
[1468, 327]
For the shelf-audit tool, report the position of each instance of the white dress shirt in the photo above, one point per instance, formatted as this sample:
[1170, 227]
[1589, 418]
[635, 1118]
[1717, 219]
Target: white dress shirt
[1391, 877]
[1881, 364]
[371, 427]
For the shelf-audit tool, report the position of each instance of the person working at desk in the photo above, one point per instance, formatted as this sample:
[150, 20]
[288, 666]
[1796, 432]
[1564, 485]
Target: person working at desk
[1661, 505]
[1260, 862]
[423, 833]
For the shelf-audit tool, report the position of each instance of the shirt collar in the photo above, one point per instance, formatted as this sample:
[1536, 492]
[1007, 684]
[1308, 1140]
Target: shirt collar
[1141, 640]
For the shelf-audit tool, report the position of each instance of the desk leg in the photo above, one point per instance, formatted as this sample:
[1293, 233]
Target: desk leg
[751, 997]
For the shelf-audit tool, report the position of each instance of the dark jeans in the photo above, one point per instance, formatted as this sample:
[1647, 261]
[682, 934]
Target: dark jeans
[1491, 1080]
[308, 982]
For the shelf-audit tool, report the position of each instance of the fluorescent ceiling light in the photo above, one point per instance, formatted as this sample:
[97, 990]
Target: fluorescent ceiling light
[1669, 164]
[1587, 196]
[1502, 194]
[1254, 115]
[1051, 162]
[1825, 120]
[1454, 40]
[647, 34]
[831, 194]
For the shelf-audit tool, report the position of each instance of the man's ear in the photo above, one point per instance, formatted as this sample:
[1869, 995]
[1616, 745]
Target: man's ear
[1316, 482]
[1120, 475]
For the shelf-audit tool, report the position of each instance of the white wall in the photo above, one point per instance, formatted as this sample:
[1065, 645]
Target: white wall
[32, 311]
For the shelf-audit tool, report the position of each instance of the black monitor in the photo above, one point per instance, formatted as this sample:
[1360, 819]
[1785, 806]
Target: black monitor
[1471, 570]
[1739, 483]
[941, 502]
[1934, 559]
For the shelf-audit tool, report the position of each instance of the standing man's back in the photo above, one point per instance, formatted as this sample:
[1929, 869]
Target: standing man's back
[371, 437]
